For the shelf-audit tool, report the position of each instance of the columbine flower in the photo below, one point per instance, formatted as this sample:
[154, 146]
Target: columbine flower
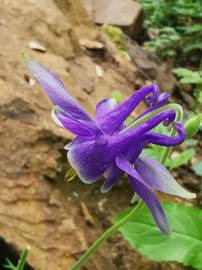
[105, 146]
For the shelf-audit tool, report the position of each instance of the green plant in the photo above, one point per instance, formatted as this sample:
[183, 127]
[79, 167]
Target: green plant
[21, 262]
[185, 243]
[117, 36]
[160, 13]
[192, 77]
[174, 27]
[166, 42]
[192, 38]
[197, 167]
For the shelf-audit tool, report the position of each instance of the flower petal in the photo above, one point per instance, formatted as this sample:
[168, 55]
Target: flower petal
[75, 142]
[129, 135]
[131, 153]
[161, 101]
[143, 190]
[159, 178]
[152, 203]
[134, 149]
[114, 119]
[91, 158]
[104, 107]
[164, 140]
[127, 167]
[57, 93]
[112, 176]
[76, 126]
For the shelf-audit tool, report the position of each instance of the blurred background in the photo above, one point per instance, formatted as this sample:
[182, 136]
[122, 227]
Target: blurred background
[99, 48]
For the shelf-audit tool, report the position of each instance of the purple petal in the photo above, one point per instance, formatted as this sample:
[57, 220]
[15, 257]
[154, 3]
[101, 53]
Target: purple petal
[91, 159]
[114, 119]
[165, 140]
[129, 135]
[135, 148]
[57, 93]
[129, 143]
[143, 190]
[75, 142]
[161, 101]
[114, 173]
[78, 127]
[112, 176]
[104, 107]
[152, 203]
[158, 177]
[127, 167]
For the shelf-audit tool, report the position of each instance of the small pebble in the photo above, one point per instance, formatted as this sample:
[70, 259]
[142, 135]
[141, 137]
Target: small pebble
[99, 71]
[34, 45]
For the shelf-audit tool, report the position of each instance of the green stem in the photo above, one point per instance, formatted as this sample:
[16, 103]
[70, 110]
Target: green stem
[135, 211]
[173, 106]
[22, 260]
[167, 151]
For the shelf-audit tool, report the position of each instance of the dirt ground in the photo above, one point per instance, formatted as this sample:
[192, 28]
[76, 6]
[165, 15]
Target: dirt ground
[37, 207]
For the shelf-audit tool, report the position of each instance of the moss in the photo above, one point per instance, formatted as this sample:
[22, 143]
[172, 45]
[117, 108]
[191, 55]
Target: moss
[117, 36]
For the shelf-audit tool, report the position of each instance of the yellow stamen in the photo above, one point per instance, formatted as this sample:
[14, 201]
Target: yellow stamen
[70, 175]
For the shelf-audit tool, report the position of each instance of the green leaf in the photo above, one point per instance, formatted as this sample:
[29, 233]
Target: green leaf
[192, 46]
[23, 257]
[9, 265]
[151, 153]
[191, 29]
[181, 159]
[188, 76]
[183, 246]
[21, 262]
[197, 167]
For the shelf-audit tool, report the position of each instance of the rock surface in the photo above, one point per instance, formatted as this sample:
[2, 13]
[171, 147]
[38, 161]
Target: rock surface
[150, 66]
[127, 14]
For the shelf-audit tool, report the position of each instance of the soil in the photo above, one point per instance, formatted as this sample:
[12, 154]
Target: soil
[58, 220]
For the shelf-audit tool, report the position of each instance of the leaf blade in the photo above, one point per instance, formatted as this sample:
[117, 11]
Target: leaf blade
[185, 244]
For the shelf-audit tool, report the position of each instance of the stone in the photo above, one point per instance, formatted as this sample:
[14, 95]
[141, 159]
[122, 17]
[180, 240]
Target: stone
[150, 66]
[127, 14]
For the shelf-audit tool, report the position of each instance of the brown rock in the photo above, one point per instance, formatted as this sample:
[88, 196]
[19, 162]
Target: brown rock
[151, 67]
[127, 14]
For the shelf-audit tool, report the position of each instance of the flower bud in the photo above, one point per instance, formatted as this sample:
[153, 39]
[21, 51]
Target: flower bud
[193, 125]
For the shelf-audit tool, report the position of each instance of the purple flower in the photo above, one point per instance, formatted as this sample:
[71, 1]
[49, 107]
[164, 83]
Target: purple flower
[105, 146]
